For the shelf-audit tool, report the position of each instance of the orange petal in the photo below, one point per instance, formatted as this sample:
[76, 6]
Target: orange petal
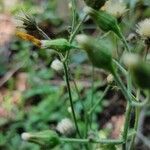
[29, 37]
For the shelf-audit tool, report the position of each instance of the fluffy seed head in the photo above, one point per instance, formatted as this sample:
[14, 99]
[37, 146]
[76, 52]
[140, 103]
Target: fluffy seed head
[57, 65]
[131, 60]
[143, 28]
[65, 127]
[117, 8]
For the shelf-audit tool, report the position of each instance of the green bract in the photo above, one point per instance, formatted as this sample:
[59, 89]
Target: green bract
[96, 4]
[47, 138]
[97, 51]
[140, 70]
[141, 74]
[60, 45]
[104, 20]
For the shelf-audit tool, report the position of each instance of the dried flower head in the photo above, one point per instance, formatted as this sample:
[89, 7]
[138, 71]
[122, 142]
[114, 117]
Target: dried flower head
[65, 127]
[29, 22]
[143, 29]
[117, 8]
[57, 65]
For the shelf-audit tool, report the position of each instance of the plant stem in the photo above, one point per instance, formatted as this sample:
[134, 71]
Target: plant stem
[101, 98]
[137, 114]
[125, 43]
[92, 97]
[70, 97]
[99, 141]
[77, 29]
[121, 85]
[123, 70]
[72, 36]
[83, 106]
[127, 121]
[43, 34]
[74, 14]
[128, 107]
[123, 40]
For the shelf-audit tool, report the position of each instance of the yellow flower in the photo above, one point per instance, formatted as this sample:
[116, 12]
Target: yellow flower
[143, 28]
[117, 8]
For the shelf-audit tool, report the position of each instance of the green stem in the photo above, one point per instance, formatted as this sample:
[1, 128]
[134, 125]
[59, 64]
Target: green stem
[128, 107]
[137, 114]
[123, 70]
[72, 36]
[125, 43]
[101, 98]
[70, 97]
[92, 96]
[83, 106]
[99, 141]
[121, 85]
[74, 14]
[123, 39]
[127, 121]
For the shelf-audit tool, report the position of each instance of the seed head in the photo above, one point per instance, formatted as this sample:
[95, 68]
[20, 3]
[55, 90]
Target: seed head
[143, 28]
[117, 8]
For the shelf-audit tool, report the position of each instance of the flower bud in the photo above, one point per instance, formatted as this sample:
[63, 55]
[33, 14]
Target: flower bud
[60, 45]
[98, 53]
[57, 65]
[104, 20]
[65, 127]
[140, 70]
[47, 139]
[96, 4]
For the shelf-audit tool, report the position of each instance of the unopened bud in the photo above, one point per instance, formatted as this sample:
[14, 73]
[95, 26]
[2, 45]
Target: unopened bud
[96, 4]
[57, 65]
[65, 127]
[47, 138]
[98, 53]
[140, 70]
[104, 20]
